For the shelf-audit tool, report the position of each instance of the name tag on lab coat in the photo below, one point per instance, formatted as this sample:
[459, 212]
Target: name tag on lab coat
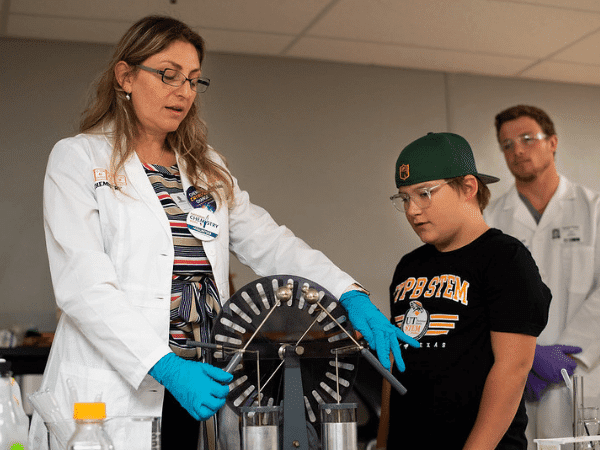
[181, 200]
[569, 233]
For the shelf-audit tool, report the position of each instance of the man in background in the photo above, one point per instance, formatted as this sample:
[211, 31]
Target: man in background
[559, 222]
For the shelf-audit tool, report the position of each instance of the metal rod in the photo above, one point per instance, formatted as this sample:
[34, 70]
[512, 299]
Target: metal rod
[273, 374]
[277, 303]
[238, 356]
[360, 347]
[258, 377]
[296, 344]
[307, 330]
[337, 378]
[374, 361]
[337, 387]
[204, 345]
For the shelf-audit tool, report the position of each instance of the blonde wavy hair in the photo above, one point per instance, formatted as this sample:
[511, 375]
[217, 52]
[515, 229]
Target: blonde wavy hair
[108, 109]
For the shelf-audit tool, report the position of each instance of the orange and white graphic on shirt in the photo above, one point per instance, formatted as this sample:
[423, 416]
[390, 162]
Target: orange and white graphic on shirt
[417, 322]
[100, 175]
[450, 287]
[103, 177]
[120, 180]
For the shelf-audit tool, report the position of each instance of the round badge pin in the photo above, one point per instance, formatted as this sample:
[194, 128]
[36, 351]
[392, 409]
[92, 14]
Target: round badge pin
[201, 199]
[202, 224]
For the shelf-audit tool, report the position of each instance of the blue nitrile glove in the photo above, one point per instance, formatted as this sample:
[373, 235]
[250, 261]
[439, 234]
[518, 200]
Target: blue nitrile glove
[199, 387]
[534, 387]
[381, 335]
[550, 359]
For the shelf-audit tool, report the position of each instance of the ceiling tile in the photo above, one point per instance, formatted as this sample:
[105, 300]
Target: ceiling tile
[411, 57]
[274, 16]
[82, 9]
[240, 42]
[565, 72]
[474, 25]
[587, 51]
[492, 37]
[99, 31]
[577, 5]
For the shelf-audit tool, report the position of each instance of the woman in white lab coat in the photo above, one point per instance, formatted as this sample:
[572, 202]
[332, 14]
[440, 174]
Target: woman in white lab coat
[112, 239]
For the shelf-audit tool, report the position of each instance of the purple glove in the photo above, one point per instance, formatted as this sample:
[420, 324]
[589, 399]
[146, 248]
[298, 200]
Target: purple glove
[550, 359]
[534, 387]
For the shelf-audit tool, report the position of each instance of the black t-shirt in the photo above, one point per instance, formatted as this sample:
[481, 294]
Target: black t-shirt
[449, 302]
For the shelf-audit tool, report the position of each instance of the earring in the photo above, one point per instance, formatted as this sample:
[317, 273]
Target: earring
[128, 96]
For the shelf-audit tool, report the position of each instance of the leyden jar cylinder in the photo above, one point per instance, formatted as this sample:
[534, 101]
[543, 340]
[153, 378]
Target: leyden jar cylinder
[338, 426]
[260, 427]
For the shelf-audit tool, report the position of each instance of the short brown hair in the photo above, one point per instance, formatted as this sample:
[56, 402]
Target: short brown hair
[517, 111]
[483, 192]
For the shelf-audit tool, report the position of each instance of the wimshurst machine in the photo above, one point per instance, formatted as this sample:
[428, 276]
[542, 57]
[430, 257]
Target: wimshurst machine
[291, 348]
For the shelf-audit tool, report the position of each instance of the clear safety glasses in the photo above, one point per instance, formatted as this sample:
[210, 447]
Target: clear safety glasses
[174, 77]
[422, 198]
[526, 140]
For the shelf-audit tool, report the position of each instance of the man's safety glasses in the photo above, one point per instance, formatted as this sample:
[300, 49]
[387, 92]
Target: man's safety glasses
[526, 140]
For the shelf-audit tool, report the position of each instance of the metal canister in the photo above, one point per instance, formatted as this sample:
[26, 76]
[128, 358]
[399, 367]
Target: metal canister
[260, 427]
[338, 426]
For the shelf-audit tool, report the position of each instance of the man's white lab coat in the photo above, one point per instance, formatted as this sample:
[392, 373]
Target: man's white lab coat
[566, 247]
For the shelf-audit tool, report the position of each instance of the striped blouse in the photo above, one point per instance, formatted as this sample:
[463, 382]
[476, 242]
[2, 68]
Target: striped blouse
[194, 297]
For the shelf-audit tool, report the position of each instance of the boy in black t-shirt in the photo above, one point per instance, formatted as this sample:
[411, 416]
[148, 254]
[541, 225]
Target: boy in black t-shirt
[472, 296]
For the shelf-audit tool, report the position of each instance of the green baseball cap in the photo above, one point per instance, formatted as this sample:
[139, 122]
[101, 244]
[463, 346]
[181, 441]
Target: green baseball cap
[437, 156]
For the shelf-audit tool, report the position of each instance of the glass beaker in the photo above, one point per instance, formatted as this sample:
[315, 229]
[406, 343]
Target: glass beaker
[338, 426]
[134, 432]
[59, 433]
[588, 425]
[260, 427]
[126, 432]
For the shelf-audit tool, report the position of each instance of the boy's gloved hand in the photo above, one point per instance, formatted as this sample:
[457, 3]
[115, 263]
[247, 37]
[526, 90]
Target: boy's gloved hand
[381, 335]
[550, 359]
[199, 387]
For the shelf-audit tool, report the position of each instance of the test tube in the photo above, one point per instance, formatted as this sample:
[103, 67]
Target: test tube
[577, 402]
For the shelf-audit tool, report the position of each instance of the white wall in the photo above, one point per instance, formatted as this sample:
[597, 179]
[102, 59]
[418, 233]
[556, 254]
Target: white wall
[43, 88]
[314, 143]
[574, 109]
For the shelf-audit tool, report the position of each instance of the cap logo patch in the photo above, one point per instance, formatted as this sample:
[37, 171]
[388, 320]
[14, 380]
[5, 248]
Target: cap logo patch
[403, 171]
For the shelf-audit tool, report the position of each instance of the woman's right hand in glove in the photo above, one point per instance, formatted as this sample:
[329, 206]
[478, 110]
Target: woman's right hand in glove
[199, 387]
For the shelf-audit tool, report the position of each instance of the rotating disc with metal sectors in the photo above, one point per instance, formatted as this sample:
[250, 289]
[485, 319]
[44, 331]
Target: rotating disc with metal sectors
[294, 322]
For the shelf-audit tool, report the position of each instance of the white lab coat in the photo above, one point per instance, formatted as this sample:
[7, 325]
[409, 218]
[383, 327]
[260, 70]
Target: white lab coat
[566, 247]
[111, 260]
